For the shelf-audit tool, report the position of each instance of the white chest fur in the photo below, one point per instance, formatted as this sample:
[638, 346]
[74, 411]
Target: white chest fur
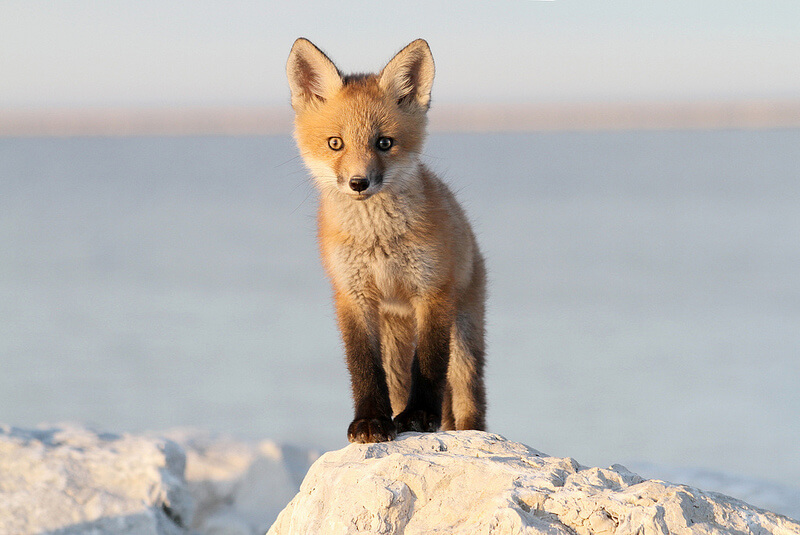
[380, 257]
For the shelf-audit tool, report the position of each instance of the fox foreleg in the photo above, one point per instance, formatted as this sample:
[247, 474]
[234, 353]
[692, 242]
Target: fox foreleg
[373, 411]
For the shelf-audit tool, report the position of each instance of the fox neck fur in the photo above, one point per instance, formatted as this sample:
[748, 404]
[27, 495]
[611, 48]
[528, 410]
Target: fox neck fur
[383, 219]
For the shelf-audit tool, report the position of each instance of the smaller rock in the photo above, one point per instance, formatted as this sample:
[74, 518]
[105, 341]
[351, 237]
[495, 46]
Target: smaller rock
[71, 480]
[239, 487]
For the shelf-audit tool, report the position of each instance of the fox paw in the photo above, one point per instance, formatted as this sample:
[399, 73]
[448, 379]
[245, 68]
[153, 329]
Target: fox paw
[417, 420]
[366, 430]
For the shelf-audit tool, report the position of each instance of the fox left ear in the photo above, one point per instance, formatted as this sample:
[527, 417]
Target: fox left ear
[409, 75]
[313, 77]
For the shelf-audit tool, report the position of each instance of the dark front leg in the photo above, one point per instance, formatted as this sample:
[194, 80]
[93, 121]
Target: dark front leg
[428, 373]
[373, 412]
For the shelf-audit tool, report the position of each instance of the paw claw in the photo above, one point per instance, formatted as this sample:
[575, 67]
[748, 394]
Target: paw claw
[417, 420]
[369, 430]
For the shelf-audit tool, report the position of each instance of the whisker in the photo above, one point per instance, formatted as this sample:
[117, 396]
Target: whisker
[290, 160]
[308, 194]
[299, 183]
[426, 155]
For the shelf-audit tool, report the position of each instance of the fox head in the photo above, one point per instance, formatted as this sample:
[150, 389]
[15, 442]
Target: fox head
[360, 134]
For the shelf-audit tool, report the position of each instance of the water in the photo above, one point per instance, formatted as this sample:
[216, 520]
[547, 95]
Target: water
[645, 299]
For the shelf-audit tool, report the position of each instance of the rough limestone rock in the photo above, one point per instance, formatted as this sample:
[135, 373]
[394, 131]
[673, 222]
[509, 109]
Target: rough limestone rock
[239, 487]
[71, 480]
[777, 497]
[472, 482]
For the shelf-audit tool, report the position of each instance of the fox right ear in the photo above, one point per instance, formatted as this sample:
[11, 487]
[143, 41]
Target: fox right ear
[409, 75]
[312, 76]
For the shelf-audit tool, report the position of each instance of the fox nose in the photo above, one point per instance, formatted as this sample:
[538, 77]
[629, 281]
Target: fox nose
[359, 183]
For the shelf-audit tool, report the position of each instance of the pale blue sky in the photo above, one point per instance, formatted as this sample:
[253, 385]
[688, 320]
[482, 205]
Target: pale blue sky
[203, 52]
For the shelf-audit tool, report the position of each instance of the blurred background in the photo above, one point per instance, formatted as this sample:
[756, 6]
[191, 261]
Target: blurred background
[631, 169]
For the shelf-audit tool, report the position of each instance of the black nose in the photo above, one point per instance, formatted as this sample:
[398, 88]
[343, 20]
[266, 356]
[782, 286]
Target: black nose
[359, 183]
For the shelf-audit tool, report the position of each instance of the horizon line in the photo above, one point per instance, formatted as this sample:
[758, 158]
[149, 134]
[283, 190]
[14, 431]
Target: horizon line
[274, 120]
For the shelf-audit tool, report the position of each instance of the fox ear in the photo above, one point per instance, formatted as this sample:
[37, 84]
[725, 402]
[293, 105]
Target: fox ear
[312, 76]
[409, 75]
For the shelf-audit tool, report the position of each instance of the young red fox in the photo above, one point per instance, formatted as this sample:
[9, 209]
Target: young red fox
[408, 278]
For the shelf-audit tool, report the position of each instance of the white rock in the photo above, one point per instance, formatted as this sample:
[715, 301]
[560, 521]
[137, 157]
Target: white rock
[71, 480]
[780, 498]
[472, 483]
[239, 487]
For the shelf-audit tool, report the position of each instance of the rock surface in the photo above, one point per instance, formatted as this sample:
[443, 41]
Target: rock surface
[67, 479]
[239, 487]
[473, 482]
[70, 480]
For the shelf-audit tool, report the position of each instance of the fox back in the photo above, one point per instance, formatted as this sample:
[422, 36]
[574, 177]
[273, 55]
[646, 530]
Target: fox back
[407, 275]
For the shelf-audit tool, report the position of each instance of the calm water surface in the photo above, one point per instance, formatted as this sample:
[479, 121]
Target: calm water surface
[645, 297]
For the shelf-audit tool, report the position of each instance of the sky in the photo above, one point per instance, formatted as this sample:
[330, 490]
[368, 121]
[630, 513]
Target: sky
[203, 53]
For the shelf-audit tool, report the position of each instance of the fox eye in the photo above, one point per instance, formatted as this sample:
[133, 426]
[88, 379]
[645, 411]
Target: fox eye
[384, 143]
[335, 143]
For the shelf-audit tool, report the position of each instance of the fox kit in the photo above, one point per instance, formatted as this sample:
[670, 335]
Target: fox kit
[407, 275]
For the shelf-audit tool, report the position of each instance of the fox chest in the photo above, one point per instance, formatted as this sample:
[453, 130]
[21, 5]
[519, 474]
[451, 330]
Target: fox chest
[387, 272]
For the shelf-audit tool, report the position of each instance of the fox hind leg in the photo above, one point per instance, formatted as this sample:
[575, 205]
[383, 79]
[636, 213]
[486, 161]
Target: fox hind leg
[467, 394]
